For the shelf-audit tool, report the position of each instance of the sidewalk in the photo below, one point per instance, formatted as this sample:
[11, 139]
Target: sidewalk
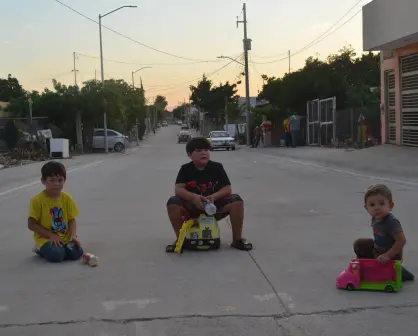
[385, 160]
[20, 175]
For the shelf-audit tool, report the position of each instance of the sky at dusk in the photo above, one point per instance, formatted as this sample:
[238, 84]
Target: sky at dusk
[39, 37]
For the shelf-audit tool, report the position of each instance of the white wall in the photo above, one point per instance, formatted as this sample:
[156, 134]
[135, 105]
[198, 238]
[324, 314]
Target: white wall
[388, 23]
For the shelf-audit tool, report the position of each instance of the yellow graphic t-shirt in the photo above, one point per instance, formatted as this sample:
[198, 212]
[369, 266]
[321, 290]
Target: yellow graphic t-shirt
[53, 214]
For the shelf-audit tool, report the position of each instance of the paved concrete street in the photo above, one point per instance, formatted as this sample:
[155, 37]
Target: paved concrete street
[302, 220]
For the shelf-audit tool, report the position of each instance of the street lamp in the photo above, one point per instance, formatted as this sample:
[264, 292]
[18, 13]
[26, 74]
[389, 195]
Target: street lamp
[101, 65]
[247, 96]
[133, 86]
[227, 57]
[134, 72]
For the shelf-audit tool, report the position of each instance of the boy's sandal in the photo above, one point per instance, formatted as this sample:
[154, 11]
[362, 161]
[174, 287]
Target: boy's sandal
[242, 244]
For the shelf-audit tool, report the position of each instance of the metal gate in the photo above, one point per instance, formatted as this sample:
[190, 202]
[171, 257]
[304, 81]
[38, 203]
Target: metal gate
[409, 98]
[391, 106]
[321, 122]
[312, 119]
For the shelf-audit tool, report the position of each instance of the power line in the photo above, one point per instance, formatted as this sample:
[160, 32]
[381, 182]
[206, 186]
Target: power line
[137, 63]
[272, 56]
[131, 39]
[321, 37]
[330, 28]
[174, 86]
[255, 69]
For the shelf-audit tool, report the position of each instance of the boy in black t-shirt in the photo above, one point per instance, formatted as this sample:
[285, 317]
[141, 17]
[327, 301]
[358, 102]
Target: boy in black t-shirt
[204, 180]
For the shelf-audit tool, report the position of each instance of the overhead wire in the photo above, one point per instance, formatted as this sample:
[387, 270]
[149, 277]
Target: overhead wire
[168, 88]
[323, 36]
[138, 63]
[131, 39]
[60, 75]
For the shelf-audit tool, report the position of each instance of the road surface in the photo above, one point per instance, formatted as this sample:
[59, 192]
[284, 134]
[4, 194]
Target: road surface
[302, 220]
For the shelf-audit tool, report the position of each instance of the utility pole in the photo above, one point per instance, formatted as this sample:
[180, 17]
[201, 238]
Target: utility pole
[155, 116]
[102, 70]
[75, 69]
[103, 84]
[289, 61]
[247, 47]
[95, 75]
[78, 126]
[30, 114]
[226, 113]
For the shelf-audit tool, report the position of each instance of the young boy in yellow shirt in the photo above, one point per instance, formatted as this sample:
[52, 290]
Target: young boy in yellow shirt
[52, 217]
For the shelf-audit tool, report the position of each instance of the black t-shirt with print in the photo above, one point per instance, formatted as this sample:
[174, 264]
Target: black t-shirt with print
[206, 181]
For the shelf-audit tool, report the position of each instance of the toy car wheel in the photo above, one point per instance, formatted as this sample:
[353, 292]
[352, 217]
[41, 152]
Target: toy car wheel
[350, 287]
[389, 289]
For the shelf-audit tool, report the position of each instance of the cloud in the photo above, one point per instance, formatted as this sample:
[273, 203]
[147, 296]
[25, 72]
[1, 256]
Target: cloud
[5, 42]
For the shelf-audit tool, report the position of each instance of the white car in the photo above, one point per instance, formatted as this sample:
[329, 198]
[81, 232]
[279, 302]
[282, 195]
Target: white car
[165, 123]
[115, 140]
[221, 139]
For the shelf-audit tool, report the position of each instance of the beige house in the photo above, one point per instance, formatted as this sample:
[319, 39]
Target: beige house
[391, 27]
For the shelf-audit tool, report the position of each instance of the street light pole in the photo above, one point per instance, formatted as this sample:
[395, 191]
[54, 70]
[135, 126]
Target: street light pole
[247, 47]
[134, 72]
[102, 73]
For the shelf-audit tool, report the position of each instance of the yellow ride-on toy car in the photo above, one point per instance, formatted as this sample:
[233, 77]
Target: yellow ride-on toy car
[201, 233]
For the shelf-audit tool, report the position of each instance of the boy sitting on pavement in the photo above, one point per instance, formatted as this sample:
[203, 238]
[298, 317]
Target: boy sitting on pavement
[389, 238]
[203, 180]
[52, 217]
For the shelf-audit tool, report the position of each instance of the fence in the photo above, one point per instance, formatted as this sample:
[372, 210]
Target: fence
[320, 119]
[348, 128]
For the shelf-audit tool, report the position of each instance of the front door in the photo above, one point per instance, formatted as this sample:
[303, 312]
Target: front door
[409, 100]
[390, 104]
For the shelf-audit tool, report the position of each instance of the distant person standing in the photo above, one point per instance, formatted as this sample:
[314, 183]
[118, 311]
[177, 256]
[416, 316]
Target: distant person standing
[294, 127]
[257, 137]
[287, 136]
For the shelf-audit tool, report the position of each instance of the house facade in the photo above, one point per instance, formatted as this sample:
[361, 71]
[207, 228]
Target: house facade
[391, 27]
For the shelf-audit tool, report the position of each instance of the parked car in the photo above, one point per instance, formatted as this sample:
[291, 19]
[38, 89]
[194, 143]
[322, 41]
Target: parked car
[184, 127]
[165, 123]
[184, 136]
[221, 139]
[115, 140]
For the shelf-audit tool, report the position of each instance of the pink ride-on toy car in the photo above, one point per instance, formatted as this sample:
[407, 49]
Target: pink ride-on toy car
[370, 274]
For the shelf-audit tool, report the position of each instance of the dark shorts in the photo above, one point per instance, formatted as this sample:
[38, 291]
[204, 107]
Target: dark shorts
[365, 248]
[191, 208]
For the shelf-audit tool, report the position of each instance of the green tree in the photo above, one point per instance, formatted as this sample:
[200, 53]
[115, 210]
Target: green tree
[178, 111]
[160, 104]
[343, 75]
[10, 89]
[213, 99]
